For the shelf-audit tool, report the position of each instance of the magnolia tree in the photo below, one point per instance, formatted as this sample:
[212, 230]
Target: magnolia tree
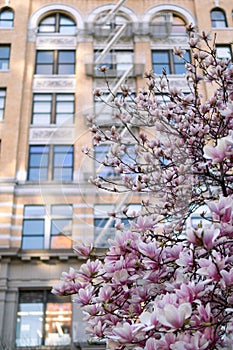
[162, 285]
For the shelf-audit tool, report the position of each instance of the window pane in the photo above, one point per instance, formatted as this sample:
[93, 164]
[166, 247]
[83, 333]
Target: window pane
[44, 63]
[62, 210]
[66, 56]
[36, 242]
[45, 56]
[4, 57]
[160, 61]
[47, 25]
[29, 324]
[58, 324]
[34, 210]
[6, 18]
[2, 102]
[66, 62]
[33, 227]
[66, 25]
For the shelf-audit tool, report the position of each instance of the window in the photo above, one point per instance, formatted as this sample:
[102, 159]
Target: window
[224, 51]
[50, 162]
[4, 57]
[166, 60]
[218, 18]
[43, 319]
[57, 23]
[2, 102]
[47, 228]
[167, 23]
[6, 18]
[55, 62]
[53, 109]
[103, 225]
[102, 154]
[119, 60]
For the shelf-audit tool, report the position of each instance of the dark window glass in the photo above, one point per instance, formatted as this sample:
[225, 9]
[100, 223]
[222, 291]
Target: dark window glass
[6, 18]
[50, 163]
[45, 62]
[57, 23]
[4, 57]
[53, 109]
[218, 18]
[166, 60]
[103, 224]
[2, 103]
[43, 319]
[55, 62]
[66, 62]
[63, 163]
[38, 163]
[224, 52]
[47, 229]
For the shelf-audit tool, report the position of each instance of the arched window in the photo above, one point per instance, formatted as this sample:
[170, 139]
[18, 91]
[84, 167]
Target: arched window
[218, 18]
[6, 18]
[57, 23]
[167, 23]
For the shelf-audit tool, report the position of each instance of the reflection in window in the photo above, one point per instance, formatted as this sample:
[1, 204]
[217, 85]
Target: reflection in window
[224, 52]
[59, 62]
[47, 228]
[6, 18]
[4, 57]
[43, 319]
[2, 102]
[166, 23]
[166, 60]
[119, 60]
[57, 23]
[103, 224]
[53, 109]
[50, 162]
[218, 18]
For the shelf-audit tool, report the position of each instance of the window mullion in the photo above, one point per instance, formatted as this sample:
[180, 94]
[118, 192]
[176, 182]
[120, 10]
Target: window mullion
[50, 165]
[47, 226]
[171, 62]
[53, 109]
[55, 62]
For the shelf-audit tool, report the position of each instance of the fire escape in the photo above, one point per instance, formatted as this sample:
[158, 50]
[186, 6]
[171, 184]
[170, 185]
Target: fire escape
[107, 27]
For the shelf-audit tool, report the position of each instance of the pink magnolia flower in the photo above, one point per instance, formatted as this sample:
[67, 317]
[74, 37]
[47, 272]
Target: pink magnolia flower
[218, 153]
[83, 249]
[70, 276]
[174, 316]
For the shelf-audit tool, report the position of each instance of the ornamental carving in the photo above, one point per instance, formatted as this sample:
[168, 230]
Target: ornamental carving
[54, 84]
[52, 135]
[56, 42]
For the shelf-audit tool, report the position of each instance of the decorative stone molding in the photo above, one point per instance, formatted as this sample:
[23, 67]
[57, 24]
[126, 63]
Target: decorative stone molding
[55, 42]
[41, 12]
[54, 83]
[60, 134]
[185, 14]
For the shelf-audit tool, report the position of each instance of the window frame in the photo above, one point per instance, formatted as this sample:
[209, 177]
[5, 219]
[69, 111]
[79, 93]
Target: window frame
[3, 92]
[53, 100]
[3, 11]
[54, 65]
[42, 301]
[172, 63]
[227, 48]
[101, 218]
[57, 26]
[52, 237]
[5, 60]
[217, 22]
[45, 163]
